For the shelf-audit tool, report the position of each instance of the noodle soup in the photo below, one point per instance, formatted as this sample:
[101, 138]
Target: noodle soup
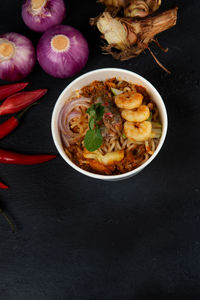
[109, 127]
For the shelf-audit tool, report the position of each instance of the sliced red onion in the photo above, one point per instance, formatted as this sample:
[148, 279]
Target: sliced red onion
[68, 113]
[39, 15]
[64, 122]
[17, 56]
[62, 51]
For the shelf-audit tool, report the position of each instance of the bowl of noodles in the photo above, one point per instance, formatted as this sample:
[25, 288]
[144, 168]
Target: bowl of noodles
[109, 124]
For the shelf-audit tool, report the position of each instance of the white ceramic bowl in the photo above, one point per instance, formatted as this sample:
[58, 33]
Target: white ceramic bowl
[102, 74]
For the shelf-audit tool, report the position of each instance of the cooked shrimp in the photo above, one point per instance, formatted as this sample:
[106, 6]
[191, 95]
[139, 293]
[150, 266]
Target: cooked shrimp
[141, 114]
[138, 131]
[129, 100]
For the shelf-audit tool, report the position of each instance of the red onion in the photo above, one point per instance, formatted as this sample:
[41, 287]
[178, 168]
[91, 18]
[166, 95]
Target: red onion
[17, 56]
[67, 113]
[39, 15]
[62, 51]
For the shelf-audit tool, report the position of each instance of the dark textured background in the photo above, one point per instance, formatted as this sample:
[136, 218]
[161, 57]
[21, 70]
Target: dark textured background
[83, 239]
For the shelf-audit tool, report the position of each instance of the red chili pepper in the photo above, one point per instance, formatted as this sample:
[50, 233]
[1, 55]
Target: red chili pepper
[9, 125]
[3, 186]
[9, 157]
[19, 101]
[10, 89]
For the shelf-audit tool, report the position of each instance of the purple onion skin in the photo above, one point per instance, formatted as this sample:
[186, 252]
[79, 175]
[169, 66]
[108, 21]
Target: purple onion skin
[23, 61]
[63, 64]
[52, 14]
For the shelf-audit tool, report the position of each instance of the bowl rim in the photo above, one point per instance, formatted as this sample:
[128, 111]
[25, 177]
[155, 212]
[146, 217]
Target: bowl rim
[100, 176]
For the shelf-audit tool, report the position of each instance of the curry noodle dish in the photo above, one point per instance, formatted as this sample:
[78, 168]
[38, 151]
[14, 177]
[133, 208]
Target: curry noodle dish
[110, 127]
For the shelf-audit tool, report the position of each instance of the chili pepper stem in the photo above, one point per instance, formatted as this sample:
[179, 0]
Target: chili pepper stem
[9, 125]
[20, 115]
[8, 220]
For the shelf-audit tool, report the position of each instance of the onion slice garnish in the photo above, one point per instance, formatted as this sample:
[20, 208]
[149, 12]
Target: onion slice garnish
[67, 113]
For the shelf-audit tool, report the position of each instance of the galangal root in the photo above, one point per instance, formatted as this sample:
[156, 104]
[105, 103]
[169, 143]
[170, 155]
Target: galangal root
[132, 8]
[128, 36]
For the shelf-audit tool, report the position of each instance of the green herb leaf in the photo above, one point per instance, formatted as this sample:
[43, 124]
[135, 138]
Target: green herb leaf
[123, 135]
[150, 117]
[91, 111]
[91, 123]
[96, 111]
[99, 111]
[93, 139]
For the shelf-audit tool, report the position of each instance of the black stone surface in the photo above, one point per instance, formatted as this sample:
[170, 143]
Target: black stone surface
[83, 239]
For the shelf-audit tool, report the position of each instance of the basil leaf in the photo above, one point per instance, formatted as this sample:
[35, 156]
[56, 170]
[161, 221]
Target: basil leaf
[93, 140]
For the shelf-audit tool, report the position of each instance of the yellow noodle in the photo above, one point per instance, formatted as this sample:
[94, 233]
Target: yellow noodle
[127, 89]
[142, 150]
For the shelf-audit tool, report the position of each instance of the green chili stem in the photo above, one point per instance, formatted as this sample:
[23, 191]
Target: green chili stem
[8, 220]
